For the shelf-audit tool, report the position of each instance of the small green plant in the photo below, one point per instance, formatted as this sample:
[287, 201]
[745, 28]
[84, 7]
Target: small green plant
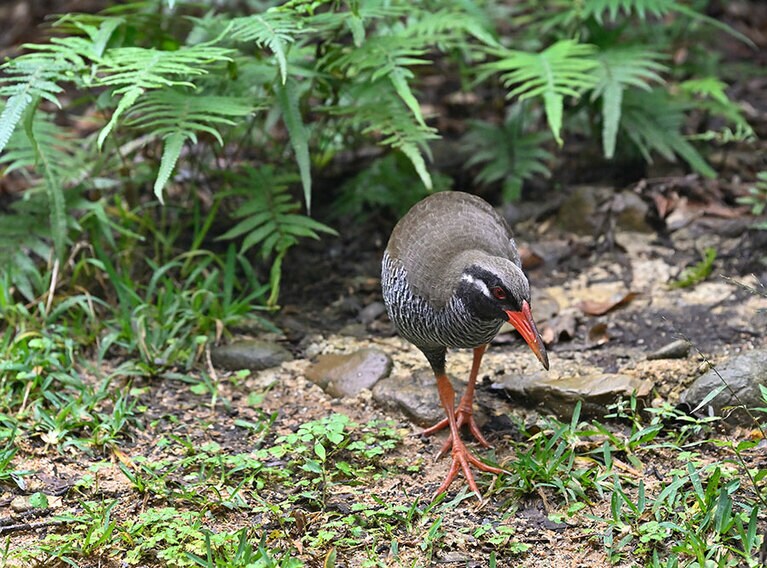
[698, 272]
[757, 199]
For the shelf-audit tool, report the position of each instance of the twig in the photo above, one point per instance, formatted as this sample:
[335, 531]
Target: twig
[31, 526]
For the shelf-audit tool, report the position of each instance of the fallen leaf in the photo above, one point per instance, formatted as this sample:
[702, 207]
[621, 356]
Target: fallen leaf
[594, 308]
[530, 258]
[598, 334]
[123, 458]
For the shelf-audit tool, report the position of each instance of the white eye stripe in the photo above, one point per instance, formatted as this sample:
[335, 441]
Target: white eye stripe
[477, 283]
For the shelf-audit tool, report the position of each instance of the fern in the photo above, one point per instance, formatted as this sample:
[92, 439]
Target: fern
[287, 99]
[375, 109]
[177, 116]
[270, 219]
[386, 57]
[274, 29]
[507, 153]
[653, 122]
[558, 14]
[45, 146]
[24, 235]
[131, 71]
[563, 69]
[710, 94]
[29, 78]
[619, 69]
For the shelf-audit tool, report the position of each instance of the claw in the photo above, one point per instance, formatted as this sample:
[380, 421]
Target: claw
[462, 459]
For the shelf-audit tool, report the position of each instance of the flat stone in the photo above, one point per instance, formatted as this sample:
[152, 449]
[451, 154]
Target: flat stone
[371, 312]
[743, 375]
[559, 395]
[415, 395]
[678, 349]
[348, 375]
[253, 354]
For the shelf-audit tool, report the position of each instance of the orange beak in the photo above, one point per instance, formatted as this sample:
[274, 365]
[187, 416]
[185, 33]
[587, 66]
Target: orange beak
[524, 324]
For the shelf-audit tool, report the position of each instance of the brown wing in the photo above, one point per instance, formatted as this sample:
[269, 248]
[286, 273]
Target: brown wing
[434, 239]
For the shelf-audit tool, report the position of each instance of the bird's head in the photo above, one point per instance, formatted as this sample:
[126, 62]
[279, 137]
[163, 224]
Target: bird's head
[495, 288]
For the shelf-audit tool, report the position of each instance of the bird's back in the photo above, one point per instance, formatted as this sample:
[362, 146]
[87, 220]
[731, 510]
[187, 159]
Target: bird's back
[438, 231]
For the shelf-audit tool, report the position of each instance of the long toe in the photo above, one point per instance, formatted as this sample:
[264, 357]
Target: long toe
[462, 461]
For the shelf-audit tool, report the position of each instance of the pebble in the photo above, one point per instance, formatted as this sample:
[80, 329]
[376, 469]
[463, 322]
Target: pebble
[253, 354]
[559, 395]
[347, 375]
[678, 349]
[743, 374]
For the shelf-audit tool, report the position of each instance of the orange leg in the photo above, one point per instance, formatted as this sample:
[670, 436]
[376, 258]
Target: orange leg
[463, 413]
[461, 456]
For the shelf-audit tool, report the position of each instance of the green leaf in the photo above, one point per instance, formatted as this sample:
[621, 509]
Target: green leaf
[47, 161]
[273, 28]
[563, 69]
[416, 158]
[171, 151]
[619, 69]
[12, 112]
[319, 449]
[38, 500]
[126, 101]
[398, 77]
[288, 101]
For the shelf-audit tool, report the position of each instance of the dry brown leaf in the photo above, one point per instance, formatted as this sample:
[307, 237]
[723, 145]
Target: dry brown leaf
[594, 308]
[598, 334]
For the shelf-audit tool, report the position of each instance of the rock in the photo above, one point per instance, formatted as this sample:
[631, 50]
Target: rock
[678, 349]
[560, 394]
[347, 375]
[579, 211]
[371, 312]
[743, 374]
[631, 212]
[415, 395]
[252, 354]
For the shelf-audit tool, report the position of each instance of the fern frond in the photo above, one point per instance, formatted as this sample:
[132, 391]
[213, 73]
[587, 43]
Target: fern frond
[44, 146]
[641, 8]
[449, 27]
[270, 219]
[287, 98]
[131, 71]
[32, 77]
[653, 122]
[386, 57]
[375, 109]
[563, 69]
[619, 69]
[276, 29]
[710, 94]
[507, 153]
[177, 116]
[559, 14]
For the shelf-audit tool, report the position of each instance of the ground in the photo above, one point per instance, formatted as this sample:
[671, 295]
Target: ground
[241, 450]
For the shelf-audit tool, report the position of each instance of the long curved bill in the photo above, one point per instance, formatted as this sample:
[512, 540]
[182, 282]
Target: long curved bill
[524, 324]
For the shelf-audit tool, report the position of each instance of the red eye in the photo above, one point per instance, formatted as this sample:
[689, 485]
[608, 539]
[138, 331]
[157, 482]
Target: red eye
[499, 293]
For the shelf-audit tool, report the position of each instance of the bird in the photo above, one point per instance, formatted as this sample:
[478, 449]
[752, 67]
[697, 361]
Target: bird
[451, 276]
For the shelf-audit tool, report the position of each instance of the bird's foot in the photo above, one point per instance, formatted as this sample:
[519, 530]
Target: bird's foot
[462, 459]
[463, 416]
